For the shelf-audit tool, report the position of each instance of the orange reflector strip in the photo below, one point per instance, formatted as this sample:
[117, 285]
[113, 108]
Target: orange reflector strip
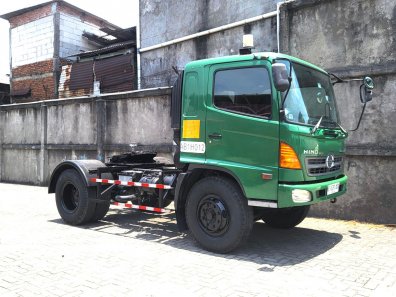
[288, 157]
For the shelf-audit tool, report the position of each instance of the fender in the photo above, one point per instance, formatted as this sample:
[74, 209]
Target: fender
[179, 195]
[220, 169]
[82, 167]
[185, 181]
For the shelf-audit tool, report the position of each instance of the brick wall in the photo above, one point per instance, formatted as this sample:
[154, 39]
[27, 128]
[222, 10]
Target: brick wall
[39, 77]
[42, 88]
[33, 69]
[30, 16]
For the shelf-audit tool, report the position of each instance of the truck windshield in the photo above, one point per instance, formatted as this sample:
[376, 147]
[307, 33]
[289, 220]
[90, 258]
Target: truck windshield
[310, 98]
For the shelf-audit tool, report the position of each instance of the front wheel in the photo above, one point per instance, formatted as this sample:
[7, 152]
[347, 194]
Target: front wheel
[285, 218]
[217, 214]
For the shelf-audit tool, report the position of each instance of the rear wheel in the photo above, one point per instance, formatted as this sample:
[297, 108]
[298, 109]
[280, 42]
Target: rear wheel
[217, 214]
[101, 210]
[285, 218]
[72, 198]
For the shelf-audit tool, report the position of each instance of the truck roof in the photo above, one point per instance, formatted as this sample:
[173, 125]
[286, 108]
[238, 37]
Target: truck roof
[261, 55]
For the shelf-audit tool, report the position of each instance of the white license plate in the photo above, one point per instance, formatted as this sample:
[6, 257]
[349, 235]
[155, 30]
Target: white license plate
[334, 188]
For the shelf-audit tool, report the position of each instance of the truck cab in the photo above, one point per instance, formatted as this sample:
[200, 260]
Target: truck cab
[284, 149]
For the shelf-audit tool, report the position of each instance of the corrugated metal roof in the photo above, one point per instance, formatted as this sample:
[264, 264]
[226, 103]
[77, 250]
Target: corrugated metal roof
[115, 74]
[81, 75]
[64, 85]
[107, 49]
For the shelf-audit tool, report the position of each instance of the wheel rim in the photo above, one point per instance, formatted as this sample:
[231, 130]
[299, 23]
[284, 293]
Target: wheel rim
[213, 216]
[70, 198]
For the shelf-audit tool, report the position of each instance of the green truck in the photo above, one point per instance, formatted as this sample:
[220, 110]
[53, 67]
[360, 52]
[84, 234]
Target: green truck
[256, 137]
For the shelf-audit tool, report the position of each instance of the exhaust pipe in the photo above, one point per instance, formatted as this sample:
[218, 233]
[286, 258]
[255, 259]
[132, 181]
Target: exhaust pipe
[124, 199]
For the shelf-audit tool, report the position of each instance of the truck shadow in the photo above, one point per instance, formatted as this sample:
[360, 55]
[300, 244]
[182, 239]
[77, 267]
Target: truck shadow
[266, 246]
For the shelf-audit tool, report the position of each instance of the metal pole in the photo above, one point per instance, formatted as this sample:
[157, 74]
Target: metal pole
[43, 146]
[100, 128]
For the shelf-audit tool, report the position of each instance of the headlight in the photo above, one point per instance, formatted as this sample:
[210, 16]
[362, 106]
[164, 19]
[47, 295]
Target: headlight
[300, 196]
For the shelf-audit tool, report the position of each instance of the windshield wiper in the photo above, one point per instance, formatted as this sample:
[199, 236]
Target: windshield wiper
[316, 126]
[339, 126]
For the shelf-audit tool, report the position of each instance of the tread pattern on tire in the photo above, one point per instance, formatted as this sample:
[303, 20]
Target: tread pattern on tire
[286, 218]
[85, 209]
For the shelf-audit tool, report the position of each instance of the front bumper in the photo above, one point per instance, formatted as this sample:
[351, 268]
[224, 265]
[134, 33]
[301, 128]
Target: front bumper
[318, 192]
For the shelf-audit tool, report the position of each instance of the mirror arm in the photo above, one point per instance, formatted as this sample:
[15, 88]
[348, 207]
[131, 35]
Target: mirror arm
[342, 80]
[360, 119]
[338, 79]
[287, 92]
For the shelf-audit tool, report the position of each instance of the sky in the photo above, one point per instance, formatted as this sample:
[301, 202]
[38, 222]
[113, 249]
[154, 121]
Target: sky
[119, 12]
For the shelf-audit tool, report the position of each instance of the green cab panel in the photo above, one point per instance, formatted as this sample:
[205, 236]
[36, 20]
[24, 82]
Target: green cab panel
[193, 124]
[316, 153]
[242, 127]
[312, 151]
[317, 190]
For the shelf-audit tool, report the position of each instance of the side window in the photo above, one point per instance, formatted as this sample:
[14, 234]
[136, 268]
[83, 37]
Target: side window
[190, 104]
[243, 90]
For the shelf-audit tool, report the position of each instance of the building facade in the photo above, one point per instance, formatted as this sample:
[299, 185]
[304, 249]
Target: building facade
[40, 37]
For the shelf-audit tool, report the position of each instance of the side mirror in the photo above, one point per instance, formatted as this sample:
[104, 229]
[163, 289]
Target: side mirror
[366, 95]
[366, 90]
[280, 76]
[368, 82]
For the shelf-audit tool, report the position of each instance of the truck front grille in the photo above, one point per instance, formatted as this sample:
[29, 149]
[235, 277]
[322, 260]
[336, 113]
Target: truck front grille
[317, 165]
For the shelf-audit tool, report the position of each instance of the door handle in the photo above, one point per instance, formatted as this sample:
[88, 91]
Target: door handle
[215, 136]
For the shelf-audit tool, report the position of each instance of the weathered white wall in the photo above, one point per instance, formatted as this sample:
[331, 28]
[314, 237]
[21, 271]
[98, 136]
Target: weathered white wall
[32, 42]
[36, 137]
[71, 40]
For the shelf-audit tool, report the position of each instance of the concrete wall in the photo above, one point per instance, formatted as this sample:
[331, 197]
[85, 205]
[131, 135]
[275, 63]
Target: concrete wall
[162, 21]
[351, 38]
[35, 137]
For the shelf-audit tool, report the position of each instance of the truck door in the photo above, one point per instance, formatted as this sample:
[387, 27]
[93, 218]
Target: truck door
[242, 126]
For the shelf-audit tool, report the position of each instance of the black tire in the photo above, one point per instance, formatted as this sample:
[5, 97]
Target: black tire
[217, 214]
[72, 198]
[101, 210]
[286, 218]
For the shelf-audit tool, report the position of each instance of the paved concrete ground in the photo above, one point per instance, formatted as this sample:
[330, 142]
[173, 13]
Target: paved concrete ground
[132, 253]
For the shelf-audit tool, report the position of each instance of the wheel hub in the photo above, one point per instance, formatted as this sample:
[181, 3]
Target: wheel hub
[71, 197]
[213, 216]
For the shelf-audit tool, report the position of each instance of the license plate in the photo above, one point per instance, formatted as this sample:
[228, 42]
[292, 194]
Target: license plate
[334, 188]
